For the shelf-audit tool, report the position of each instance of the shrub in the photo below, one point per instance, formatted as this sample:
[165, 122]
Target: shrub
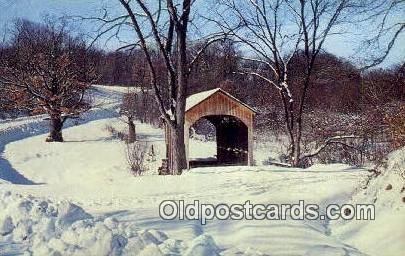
[115, 133]
[137, 154]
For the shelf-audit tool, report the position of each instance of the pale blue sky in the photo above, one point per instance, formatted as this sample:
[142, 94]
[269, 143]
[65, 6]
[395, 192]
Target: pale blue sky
[35, 9]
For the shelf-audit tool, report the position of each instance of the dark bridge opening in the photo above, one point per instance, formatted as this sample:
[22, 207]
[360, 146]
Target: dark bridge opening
[232, 142]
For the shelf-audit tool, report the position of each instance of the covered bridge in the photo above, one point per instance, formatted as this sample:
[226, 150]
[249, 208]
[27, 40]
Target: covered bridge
[232, 119]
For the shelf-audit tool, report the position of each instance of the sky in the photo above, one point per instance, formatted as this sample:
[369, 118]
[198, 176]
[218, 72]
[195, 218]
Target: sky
[35, 10]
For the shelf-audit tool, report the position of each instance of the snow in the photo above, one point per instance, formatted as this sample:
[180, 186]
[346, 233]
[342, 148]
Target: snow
[385, 234]
[197, 98]
[79, 198]
[106, 106]
[47, 228]
[202, 149]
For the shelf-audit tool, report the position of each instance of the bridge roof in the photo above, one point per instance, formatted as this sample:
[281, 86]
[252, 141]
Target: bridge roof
[195, 99]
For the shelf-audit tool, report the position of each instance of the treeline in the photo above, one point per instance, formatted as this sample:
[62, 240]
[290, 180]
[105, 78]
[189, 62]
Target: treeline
[337, 85]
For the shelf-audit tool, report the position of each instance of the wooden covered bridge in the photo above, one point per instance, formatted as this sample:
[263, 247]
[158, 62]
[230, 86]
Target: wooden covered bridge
[233, 122]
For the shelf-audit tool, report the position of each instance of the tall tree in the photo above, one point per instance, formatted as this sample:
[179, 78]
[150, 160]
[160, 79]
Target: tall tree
[48, 68]
[275, 32]
[161, 30]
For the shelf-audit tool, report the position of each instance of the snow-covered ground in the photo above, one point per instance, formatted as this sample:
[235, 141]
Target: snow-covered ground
[79, 198]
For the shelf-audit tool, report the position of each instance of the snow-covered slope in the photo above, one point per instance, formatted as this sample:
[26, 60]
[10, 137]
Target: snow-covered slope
[385, 235]
[115, 213]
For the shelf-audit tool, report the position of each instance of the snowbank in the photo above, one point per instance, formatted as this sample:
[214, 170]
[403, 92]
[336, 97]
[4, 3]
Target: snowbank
[385, 234]
[42, 227]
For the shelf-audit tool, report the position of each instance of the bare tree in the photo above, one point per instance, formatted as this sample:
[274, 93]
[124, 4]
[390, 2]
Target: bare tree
[275, 32]
[49, 71]
[161, 30]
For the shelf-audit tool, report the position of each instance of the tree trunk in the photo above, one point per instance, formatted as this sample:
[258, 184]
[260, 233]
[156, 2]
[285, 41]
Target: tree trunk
[55, 129]
[145, 108]
[131, 130]
[297, 153]
[178, 146]
[179, 159]
[296, 160]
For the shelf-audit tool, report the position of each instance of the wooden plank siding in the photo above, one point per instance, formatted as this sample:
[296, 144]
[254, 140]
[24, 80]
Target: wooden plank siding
[218, 104]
